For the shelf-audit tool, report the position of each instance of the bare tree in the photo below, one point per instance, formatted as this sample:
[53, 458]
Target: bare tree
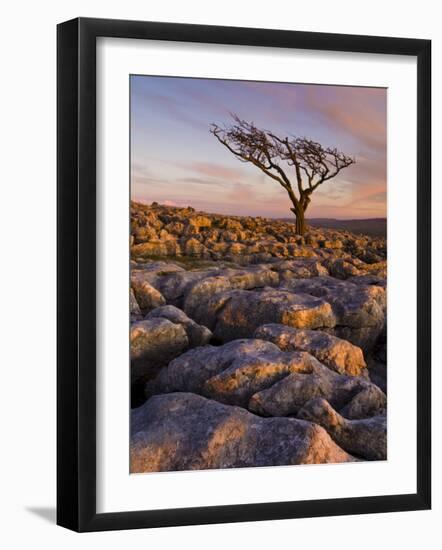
[311, 163]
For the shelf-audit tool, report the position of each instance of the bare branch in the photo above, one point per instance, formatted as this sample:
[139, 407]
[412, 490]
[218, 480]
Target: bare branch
[250, 144]
[313, 163]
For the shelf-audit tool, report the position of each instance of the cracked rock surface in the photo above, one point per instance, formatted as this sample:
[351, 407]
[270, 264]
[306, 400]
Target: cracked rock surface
[184, 431]
[254, 346]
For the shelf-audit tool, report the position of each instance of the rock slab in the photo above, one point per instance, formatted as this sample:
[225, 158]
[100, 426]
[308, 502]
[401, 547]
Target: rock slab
[184, 431]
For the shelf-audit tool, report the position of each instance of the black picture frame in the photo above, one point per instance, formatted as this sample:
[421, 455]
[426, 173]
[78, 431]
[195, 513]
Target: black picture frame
[76, 274]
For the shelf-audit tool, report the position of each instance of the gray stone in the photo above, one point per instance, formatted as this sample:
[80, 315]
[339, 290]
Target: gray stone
[193, 369]
[237, 313]
[301, 268]
[183, 431]
[197, 335]
[366, 438]
[343, 268]
[360, 310]
[146, 295]
[370, 401]
[153, 343]
[226, 279]
[287, 396]
[256, 374]
[134, 308]
[337, 354]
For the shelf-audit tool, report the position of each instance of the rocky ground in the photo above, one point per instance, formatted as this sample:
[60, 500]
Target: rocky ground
[252, 346]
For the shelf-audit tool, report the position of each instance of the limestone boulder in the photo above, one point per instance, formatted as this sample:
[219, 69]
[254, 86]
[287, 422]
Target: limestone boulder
[344, 268]
[199, 222]
[206, 288]
[359, 310]
[190, 371]
[365, 438]
[153, 344]
[156, 248]
[302, 268]
[147, 296]
[193, 247]
[354, 396]
[197, 335]
[144, 234]
[337, 354]
[238, 313]
[257, 375]
[332, 244]
[184, 431]
[174, 286]
[134, 308]
[251, 373]
[184, 289]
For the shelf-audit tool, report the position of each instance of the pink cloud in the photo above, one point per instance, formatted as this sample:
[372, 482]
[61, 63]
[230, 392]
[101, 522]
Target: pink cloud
[361, 115]
[213, 170]
[242, 192]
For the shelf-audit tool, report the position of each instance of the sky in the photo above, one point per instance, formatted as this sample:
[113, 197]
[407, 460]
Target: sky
[176, 161]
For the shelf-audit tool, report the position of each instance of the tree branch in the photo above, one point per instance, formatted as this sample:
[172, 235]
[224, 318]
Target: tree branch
[314, 164]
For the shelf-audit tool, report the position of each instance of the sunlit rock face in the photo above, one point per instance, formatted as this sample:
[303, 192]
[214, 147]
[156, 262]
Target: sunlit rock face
[184, 431]
[365, 437]
[238, 313]
[231, 373]
[258, 376]
[154, 342]
[337, 354]
[197, 335]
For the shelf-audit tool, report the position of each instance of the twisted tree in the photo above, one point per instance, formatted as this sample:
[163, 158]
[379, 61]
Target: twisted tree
[311, 163]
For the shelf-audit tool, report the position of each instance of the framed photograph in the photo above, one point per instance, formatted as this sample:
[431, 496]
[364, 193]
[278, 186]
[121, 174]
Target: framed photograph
[243, 274]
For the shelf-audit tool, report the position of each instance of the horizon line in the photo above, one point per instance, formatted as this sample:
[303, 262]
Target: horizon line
[285, 218]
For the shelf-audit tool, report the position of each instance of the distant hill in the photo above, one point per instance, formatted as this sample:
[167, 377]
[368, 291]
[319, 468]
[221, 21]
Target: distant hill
[376, 227]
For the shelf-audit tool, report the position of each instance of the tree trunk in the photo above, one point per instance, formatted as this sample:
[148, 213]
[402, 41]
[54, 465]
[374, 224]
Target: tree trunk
[300, 222]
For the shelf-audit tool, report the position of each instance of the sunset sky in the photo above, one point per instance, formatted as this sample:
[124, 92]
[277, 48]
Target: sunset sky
[176, 161]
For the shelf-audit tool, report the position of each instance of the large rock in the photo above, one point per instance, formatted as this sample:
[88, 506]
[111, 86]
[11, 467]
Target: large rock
[155, 269]
[332, 244]
[146, 295]
[134, 308]
[153, 343]
[156, 248]
[183, 431]
[197, 335]
[366, 438]
[202, 290]
[174, 286]
[343, 268]
[194, 369]
[360, 310]
[370, 401]
[256, 374]
[193, 247]
[198, 222]
[251, 373]
[354, 396]
[301, 268]
[187, 287]
[355, 305]
[365, 280]
[236, 314]
[144, 234]
[378, 374]
[339, 355]
[153, 274]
